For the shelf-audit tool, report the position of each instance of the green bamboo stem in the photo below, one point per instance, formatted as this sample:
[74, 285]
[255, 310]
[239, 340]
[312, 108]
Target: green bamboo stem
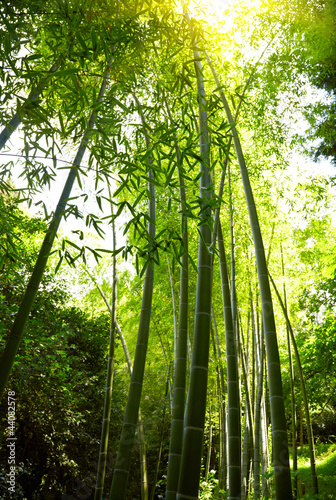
[180, 368]
[174, 307]
[234, 422]
[304, 392]
[218, 354]
[16, 333]
[245, 452]
[15, 121]
[248, 411]
[264, 420]
[292, 388]
[207, 465]
[140, 427]
[247, 391]
[167, 363]
[102, 460]
[121, 471]
[196, 404]
[249, 420]
[157, 466]
[282, 478]
[257, 419]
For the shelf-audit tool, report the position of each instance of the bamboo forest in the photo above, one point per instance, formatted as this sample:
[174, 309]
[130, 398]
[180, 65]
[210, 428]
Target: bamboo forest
[168, 249]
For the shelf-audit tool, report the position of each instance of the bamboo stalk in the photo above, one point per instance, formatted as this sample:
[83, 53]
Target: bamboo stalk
[234, 420]
[224, 462]
[196, 404]
[17, 330]
[121, 471]
[180, 367]
[102, 460]
[304, 393]
[282, 478]
[140, 427]
[292, 388]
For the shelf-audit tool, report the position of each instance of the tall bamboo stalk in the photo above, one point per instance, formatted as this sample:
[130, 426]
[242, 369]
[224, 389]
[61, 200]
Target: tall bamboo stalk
[282, 478]
[171, 280]
[163, 420]
[102, 460]
[207, 465]
[16, 333]
[257, 419]
[304, 393]
[121, 471]
[234, 419]
[140, 427]
[196, 403]
[180, 368]
[223, 435]
[246, 435]
[292, 388]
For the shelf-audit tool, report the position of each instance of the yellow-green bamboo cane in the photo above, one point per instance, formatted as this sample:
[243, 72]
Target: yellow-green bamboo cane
[282, 478]
[222, 482]
[140, 429]
[102, 460]
[121, 471]
[257, 418]
[196, 404]
[292, 388]
[304, 393]
[234, 418]
[16, 333]
[179, 384]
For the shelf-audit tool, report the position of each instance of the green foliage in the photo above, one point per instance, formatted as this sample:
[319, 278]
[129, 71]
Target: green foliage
[58, 380]
[209, 489]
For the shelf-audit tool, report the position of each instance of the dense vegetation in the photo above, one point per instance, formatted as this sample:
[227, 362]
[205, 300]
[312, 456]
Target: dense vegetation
[191, 354]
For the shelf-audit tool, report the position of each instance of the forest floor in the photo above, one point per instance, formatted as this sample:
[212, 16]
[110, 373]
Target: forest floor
[326, 472]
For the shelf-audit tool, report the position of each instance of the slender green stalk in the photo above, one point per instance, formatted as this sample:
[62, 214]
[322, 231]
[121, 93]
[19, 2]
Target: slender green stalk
[234, 422]
[15, 121]
[292, 388]
[157, 466]
[180, 369]
[245, 458]
[207, 465]
[223, 434]
[304, 393]
[248, 412]
[174, 307]
[196, 404]
[257, 419]
[121, 471]
[246, 449]
[16, 333]
[167, 363]
[247, 391]
[109, 380]
[282, 478]
[140, 428]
